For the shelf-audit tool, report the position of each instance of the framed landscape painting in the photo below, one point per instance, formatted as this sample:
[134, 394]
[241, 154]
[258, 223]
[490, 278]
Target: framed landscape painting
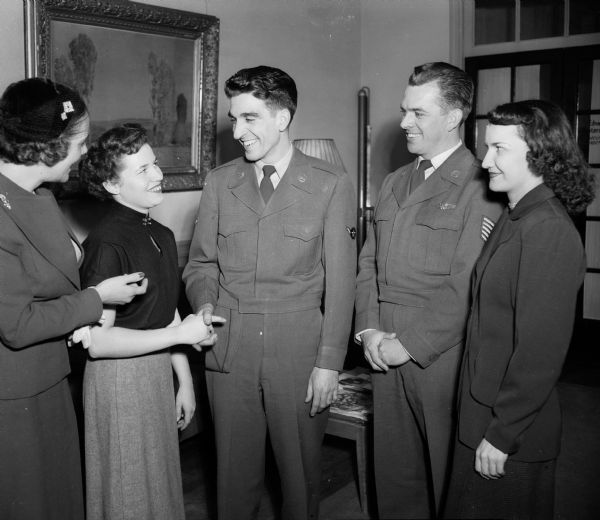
[138, 63]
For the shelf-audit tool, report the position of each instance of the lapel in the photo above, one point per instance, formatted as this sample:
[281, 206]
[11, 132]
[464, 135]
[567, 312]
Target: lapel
[526, 205]
[244, 187]
[293, 186]
[495, 239]
[39, 218]
[452, 172]
[400, 186]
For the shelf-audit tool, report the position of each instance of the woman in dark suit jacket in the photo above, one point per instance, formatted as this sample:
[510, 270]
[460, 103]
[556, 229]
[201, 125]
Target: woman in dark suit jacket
[43, 132]
[524, 294]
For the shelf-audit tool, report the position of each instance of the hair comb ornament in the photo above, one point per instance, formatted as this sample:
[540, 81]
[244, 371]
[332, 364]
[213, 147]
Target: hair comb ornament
[67, 108]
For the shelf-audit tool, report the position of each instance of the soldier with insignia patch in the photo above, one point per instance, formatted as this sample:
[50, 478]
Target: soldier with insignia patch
[273, 252]
[431, 221]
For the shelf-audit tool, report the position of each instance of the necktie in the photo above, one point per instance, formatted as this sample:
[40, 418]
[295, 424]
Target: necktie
[418, 175]
[266, 186]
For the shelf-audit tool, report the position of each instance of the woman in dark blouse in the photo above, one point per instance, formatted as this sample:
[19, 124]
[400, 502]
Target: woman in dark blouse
[43, 131]
[130, 407]
[524, 294]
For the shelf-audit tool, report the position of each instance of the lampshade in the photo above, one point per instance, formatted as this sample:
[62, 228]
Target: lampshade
[324, 149]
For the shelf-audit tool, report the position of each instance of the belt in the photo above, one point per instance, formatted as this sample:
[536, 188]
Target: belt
[247, 304]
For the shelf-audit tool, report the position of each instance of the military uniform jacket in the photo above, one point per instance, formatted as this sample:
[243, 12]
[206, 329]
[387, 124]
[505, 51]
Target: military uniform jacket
[296, 253]
[524, 295]
[40, 300]
[420, 252]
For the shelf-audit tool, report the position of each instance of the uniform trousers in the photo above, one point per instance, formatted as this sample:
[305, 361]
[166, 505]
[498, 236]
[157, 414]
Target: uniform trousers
[413, 428]
[265, 392]
[526, 491]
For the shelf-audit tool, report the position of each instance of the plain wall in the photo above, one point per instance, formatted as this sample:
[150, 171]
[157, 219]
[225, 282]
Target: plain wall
[397, 36]
[330, 47]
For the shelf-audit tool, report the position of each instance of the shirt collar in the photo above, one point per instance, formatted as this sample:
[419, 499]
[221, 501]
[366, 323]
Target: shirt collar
[281, 166]
[438, 160]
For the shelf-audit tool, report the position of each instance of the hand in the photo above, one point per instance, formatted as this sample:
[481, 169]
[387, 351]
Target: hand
[81, 335]
[322, 389]
[371, 340]
[119, 290]
[489, 461]
[206, 312]
[192, 330]
[391, 351]
[185, 405]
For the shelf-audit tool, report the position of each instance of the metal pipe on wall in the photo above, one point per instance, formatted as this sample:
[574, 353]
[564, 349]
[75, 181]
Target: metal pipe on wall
[365, 210]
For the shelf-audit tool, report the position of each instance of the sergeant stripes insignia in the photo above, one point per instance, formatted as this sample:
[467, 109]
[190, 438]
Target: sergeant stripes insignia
[487, 225]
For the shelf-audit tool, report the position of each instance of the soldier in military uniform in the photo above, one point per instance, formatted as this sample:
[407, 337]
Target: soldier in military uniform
[273, 252]
[431, 221]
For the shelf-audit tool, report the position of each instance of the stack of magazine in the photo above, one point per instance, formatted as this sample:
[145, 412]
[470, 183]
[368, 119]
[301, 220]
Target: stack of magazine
[355, 396]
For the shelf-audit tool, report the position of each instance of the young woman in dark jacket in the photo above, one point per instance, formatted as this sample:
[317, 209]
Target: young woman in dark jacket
[524, 293]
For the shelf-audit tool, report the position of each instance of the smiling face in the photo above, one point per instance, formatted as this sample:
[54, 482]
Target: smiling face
[77, 147]
[139, 185]
[261, 131]
[430, 129]
[506, 162]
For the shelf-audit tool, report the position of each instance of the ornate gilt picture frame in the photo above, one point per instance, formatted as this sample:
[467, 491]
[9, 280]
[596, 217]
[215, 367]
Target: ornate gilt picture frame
[135, 62]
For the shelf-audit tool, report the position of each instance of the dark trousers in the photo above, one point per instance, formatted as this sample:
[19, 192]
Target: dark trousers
[526, 491]
[413, 429]
[265, 391]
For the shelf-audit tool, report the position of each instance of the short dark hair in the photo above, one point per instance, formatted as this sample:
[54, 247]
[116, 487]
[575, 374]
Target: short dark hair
[456, 87]
[553, 151]
[101, 164]
[38, 117]
[275, 87]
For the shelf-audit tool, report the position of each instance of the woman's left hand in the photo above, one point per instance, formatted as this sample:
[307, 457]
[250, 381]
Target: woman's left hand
[489, 461]
[185, 405]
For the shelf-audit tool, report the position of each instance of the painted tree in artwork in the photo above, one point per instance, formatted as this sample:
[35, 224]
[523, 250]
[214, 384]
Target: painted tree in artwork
[78, 72]
[63, 72]
[162, 95]
[84, 56]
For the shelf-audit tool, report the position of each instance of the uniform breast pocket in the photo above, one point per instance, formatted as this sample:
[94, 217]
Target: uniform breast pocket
[434, 239]
[303, 244]
[382, 226]
[236, 241]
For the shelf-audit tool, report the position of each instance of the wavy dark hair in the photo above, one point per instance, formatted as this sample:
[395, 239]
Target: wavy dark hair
[38, 118]
[553, 151]
[275, 87]
[455, 85]
[101, 164]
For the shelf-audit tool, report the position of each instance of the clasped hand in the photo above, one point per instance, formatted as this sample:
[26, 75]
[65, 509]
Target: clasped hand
[383, 350]
[199, 331]
[209, 319]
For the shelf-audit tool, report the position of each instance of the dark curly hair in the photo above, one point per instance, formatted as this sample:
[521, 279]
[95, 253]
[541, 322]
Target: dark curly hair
[553, 151]
[455, 85]
[101, 164]
[38, 118]
[276, 88]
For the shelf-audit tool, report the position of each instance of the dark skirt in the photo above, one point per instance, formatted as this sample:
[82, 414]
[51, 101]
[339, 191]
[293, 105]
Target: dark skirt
[40, 469]
[526, 491]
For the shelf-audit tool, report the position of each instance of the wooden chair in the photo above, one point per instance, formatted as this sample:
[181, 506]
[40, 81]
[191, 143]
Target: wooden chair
[350, 418]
